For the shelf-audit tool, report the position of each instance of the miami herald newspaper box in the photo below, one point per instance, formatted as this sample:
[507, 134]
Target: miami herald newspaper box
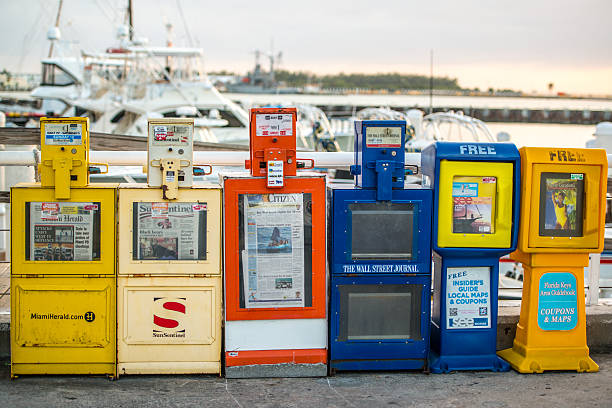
[63, 261]
[274, 224]
[169, 262]
[379, 258]
[476, 207]
[562, 221]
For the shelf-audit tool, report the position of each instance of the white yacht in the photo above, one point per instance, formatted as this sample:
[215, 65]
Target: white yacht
[120, 88]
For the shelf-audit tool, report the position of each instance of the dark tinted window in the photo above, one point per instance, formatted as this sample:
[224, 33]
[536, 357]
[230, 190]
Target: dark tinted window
[382, 230]
[370, 312]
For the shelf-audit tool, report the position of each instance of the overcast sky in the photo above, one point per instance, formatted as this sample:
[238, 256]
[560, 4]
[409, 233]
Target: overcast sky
[519, 44]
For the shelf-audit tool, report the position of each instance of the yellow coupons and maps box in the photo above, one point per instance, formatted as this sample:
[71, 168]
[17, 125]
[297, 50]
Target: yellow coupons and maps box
[562, 221]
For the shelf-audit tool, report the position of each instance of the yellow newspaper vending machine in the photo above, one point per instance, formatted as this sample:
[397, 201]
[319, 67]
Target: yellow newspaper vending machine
[169, 262]
[562, 221]
[63, 261]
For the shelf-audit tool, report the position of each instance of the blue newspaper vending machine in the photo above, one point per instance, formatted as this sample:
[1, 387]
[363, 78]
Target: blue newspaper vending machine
[380, 258]
[476, 210]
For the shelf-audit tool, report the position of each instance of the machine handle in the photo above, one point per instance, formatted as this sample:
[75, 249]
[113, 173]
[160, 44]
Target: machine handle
[300, 163]
[94, 168]
[199, 171]
[412, 169]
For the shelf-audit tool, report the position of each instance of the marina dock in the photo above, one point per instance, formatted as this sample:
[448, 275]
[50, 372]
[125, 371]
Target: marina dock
[489, 109]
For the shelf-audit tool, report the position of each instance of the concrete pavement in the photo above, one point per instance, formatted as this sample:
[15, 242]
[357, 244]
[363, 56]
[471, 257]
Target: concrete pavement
[368, 390]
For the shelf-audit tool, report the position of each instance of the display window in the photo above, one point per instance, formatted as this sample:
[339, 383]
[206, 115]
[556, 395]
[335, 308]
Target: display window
[275, 250]
[474, 204]
[380, 312]
[169, 231]
[62, 231]
[382, 230]
[561, 204]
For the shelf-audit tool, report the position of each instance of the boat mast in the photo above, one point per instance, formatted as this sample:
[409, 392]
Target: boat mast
[431, 81]
[130, 16]
[57, 20]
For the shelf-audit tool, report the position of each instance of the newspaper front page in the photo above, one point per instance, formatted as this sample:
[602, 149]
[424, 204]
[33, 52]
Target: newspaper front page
[169, 231]
[63, 231]
[273, 258]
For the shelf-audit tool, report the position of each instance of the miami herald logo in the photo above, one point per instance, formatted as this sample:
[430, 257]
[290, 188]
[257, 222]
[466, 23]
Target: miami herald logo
[168, 316]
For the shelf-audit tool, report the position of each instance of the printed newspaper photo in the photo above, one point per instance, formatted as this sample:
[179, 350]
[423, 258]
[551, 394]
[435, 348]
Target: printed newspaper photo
[63, 231]
[273, 258]
[169, 231]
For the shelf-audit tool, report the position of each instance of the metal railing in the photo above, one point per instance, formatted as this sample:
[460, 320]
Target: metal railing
[324, 160]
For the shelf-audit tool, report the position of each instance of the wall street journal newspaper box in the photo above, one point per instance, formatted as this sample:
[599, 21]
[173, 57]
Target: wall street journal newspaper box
[379, 258]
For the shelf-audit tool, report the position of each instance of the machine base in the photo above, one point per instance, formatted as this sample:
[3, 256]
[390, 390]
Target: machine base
[482, 362]
[276, 370]
[373, 365]
[178, 367]
[107, 369]
[533, 360]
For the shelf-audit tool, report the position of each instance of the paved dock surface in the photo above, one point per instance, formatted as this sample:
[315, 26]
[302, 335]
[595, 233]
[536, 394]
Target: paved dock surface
[467, 389]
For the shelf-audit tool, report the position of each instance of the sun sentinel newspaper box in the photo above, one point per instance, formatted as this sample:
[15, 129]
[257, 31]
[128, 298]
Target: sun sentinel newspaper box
[379, 258]
[476, 207]
[562, 221]
[63, 261]
[169, 262]
[274, 224]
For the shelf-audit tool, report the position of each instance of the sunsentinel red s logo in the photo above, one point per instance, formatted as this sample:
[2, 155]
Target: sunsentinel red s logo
[168, 316]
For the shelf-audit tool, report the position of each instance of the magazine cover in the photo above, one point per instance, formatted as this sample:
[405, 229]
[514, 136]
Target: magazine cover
[473, 204]
[560, 207]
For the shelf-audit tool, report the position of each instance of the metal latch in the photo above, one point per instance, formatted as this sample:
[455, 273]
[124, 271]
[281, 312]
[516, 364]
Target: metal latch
[170, 169]
[62, 166]
[384, 180]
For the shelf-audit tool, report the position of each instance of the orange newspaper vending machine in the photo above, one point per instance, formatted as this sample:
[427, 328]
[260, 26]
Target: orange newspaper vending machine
[275, 285]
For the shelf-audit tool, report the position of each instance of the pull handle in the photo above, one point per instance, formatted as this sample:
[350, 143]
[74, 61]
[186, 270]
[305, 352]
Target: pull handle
[94, 168]
[199, 170]
[301, 163]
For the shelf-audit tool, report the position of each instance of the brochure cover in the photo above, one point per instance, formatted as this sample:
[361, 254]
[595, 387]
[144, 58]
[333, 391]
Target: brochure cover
[474, 204]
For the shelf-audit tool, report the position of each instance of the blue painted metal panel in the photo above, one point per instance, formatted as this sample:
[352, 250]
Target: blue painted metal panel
[379, 166]
[340, 249]
[379, 353]
[463, 349]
